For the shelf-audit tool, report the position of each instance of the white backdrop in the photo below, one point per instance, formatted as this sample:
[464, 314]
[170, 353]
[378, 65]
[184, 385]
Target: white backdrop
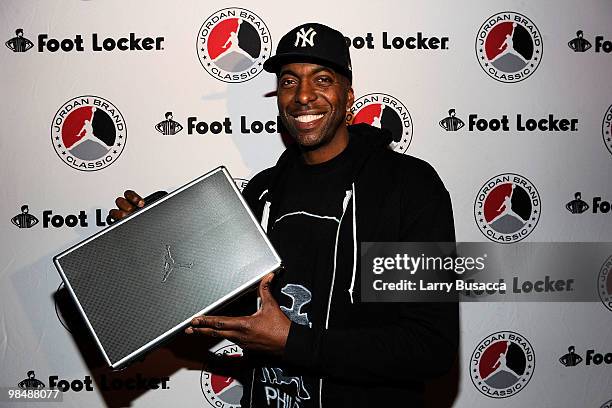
[145, 84]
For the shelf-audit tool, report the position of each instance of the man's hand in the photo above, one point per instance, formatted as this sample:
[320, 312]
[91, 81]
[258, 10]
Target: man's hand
[126, 205]
[265, 330]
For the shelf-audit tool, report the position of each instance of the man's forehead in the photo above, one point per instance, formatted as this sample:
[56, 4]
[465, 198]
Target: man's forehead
[303, 68]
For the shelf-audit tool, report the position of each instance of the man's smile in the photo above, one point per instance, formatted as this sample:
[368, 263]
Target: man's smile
[307, 120]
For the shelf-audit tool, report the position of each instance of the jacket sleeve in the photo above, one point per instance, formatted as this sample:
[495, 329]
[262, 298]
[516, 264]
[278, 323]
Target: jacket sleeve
[420, 344]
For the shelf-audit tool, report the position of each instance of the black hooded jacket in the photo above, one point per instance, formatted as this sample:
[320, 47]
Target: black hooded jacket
[370, 354]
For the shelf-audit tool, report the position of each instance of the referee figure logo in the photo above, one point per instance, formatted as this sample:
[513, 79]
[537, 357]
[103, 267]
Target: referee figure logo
[19, 43]
[31, 383]
[168, 127]
[24, 220]
[577, 205]
[579, 44]
[451, 123]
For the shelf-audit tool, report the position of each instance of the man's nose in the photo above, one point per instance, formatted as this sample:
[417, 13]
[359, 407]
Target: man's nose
[305, 93]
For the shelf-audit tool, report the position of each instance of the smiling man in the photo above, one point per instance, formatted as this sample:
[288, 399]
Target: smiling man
[312, 342]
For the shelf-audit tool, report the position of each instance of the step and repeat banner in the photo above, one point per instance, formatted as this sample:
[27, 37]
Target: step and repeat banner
[510, 101]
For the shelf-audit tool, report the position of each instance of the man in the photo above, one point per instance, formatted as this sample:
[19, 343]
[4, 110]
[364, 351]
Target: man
[312, 342]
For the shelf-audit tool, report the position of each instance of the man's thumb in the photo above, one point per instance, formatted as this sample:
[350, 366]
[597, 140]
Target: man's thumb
[264, 288]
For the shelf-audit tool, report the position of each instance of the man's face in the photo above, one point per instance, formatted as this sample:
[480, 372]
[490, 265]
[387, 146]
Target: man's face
[312, 102]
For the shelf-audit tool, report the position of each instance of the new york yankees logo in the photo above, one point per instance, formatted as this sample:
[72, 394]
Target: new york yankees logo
[306, 37]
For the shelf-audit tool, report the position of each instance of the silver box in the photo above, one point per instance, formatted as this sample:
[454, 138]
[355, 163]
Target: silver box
[144, 278]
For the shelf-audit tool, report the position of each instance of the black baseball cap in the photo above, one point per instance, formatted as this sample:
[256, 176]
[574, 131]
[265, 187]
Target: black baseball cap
[314, 43]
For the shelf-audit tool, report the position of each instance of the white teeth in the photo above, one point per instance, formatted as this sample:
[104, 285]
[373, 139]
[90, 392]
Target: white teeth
[308, 118]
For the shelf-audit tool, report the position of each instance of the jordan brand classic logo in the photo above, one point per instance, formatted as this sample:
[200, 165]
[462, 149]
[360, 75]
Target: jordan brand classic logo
[305, 36]
[606, 129]
[502, 364]
[170, 264]
[604, 284]
[384, 112]
[218, 389]
[88, 133]
[507, 208]
[509, 47]
[233, 44]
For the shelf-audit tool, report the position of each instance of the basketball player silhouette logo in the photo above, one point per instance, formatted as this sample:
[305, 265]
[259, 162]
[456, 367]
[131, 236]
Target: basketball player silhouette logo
[170, 264]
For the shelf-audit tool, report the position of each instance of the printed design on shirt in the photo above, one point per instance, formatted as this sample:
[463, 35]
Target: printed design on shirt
[300, 296]
[323, 217]
[275, 376]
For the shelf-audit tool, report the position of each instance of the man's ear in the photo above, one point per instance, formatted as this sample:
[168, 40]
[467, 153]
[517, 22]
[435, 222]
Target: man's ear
[350, 97]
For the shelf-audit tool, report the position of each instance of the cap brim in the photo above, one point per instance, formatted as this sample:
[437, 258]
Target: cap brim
[275, 63]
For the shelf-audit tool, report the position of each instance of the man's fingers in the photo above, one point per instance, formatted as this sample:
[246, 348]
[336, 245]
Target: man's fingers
[220, 323]
[231, 335]
[124, 205]
[134, 198]
[117, 214]
[264, 288]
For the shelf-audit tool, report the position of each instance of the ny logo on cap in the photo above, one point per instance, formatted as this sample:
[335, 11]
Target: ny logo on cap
[307, 37]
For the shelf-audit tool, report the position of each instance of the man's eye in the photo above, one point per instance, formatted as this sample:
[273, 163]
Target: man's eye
[325, 80]
[287, 82]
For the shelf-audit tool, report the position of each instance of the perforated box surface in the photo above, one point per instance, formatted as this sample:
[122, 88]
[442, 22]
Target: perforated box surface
[145, 277]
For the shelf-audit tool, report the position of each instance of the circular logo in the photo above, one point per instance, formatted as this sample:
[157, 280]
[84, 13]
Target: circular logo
[219, 390]
[607, 404]
[509, 47]
[507, 208]
[384, 112]
[604, 284]
[606, 129]
[233, 44]
[502, 364]
[88, 133]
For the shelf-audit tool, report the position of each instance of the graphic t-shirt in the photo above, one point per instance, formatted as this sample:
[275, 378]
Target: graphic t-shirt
[304, 234]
